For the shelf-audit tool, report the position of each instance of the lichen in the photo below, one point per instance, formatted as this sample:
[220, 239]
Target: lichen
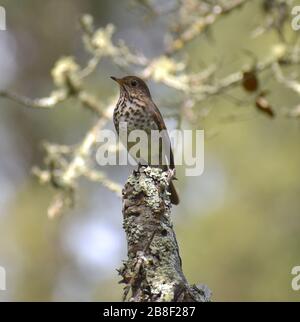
[162, 288]
[153, 269]
[147, 182]
[133, 230]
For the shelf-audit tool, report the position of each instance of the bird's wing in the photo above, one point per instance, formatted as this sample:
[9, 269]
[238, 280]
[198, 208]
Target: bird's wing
[162, 126]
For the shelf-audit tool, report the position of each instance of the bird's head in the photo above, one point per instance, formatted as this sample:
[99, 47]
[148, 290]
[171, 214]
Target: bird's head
[133, 86]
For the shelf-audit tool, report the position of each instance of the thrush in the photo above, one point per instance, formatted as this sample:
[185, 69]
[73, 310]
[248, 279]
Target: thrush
[136, 109]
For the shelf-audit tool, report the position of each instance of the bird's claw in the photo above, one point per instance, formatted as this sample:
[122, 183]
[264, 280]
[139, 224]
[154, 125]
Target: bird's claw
[139, 166]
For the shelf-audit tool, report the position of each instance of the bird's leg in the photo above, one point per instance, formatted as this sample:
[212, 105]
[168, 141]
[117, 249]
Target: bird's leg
[139, 166]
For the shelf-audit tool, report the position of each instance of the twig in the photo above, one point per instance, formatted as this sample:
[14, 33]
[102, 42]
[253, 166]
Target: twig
[199, 26]
[45, 102]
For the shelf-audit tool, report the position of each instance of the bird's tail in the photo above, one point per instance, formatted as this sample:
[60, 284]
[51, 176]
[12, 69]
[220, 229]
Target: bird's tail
[174, 196]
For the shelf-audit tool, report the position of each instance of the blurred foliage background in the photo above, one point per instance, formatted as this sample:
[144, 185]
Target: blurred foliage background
[237, 225]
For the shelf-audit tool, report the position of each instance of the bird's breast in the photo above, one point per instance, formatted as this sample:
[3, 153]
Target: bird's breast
[135, 115]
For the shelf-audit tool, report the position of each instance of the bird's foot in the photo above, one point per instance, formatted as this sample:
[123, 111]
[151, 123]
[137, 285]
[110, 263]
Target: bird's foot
[138, 168]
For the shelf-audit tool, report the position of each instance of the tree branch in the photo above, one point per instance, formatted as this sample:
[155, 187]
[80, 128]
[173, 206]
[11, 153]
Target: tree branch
[153, 270]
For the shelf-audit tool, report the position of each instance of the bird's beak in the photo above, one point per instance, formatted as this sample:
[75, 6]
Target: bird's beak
[118, 80]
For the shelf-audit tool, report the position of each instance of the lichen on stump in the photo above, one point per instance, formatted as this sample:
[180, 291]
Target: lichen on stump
[153, 269]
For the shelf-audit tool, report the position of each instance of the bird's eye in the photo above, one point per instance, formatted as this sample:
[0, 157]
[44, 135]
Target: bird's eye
[133, 83]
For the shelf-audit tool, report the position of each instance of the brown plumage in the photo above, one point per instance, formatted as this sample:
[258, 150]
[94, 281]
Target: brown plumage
[136, 108]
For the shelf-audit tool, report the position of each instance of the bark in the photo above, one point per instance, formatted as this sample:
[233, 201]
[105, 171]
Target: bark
[153, 270]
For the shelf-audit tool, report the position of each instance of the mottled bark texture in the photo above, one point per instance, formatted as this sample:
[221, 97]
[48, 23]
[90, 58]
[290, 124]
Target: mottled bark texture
[153, 270]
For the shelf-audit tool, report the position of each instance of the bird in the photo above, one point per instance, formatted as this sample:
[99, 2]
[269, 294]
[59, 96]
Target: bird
[136, 109]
